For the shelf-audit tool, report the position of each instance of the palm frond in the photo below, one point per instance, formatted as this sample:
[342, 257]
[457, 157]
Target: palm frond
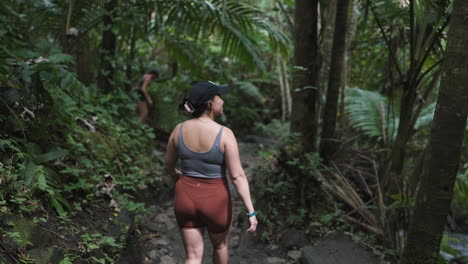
[52, 155]
[252, 90]
[61, 58]
[369, 111]
[389, 11]
[239, 25]
[426, 116]
[54, 16]
[182, 49]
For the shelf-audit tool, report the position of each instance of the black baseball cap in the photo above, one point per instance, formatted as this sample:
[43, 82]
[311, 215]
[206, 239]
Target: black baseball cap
[204, 91]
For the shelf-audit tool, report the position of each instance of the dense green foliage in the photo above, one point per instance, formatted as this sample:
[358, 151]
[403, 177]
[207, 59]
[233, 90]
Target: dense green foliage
[60, 133]
[59, 138]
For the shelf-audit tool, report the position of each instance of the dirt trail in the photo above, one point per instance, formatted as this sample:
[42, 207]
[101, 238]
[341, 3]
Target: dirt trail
[163, 241]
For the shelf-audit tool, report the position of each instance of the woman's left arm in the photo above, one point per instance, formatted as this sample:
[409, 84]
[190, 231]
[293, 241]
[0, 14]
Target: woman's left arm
[238, 177]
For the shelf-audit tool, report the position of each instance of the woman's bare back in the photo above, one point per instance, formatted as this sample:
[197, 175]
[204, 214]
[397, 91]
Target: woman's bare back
[199, 134]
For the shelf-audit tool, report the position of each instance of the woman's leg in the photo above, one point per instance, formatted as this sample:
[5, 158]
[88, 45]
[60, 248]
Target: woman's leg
[142, 110]
[193, 243]
[220, 247]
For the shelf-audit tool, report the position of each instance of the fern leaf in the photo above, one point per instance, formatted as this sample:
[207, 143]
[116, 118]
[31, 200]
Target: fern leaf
[53, 155]
[29, 171]
[426, 116]
[61, 58]
[41, 179]
[369, 111]
[252, 90]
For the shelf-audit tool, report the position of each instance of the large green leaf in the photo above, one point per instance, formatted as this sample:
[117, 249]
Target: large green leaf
[52, 155]
[184, 50]
[29, 170]
[57, 205]
[426, 116]
[11, 95]
[369, 112]
[252, 90]
[239, 24]
[61, 58]
[41, 179]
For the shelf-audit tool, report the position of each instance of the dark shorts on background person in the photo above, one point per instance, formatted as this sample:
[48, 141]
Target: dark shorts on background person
[141, 95]
[201, 202]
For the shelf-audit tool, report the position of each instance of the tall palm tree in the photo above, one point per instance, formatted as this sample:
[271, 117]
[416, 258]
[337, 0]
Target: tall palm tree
[443, 151]
[327, 144]
[108, 46]
[305, 93]
[413, 62]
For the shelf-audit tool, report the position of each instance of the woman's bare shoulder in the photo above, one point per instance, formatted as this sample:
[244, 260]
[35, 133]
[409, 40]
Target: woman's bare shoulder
[228, 134]
[227, 130]
[175, 131]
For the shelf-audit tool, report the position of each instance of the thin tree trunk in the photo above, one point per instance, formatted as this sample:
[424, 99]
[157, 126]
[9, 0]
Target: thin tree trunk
[422, 42]
[350, 34]
[431, 87]
[282, 68]
[404, 127]
[413, 180]
[83, 61]
[108, 46]
[327, 143]
[392, 180]
[304, 116]
[444, 148]
[282, 88]
[287, 88]
[327, 21]
[131, 57]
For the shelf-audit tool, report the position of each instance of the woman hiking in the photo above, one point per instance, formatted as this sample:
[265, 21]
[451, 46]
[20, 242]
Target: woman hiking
[206, 150]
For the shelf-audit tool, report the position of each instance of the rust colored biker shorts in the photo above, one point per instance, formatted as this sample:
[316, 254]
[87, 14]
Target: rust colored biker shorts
[201, 202]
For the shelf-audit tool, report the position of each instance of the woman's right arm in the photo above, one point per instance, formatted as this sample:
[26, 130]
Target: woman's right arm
[171, 155]
[144, 88]
[238, 177]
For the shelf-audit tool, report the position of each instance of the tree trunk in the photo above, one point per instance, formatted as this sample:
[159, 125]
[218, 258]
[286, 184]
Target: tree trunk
[287, 88]
[444, 148]
[84, 60]
[404, 128]
[284, 88]
[413, 180]
[350, 34]
[423, 39]
[131, 57]
[327, 21]
[327, 144]
[108, 45]
[304, 115]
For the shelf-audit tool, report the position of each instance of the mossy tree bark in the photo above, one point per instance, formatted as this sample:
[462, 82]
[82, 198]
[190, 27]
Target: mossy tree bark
[328, 141]
[130, 59]
[304, 95]
[83, 60]
[108, 46]
[350, 34]
[444, 148]
[327, 20]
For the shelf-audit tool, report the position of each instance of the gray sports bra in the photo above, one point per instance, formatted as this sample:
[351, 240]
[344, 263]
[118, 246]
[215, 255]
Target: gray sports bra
[208, 164]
